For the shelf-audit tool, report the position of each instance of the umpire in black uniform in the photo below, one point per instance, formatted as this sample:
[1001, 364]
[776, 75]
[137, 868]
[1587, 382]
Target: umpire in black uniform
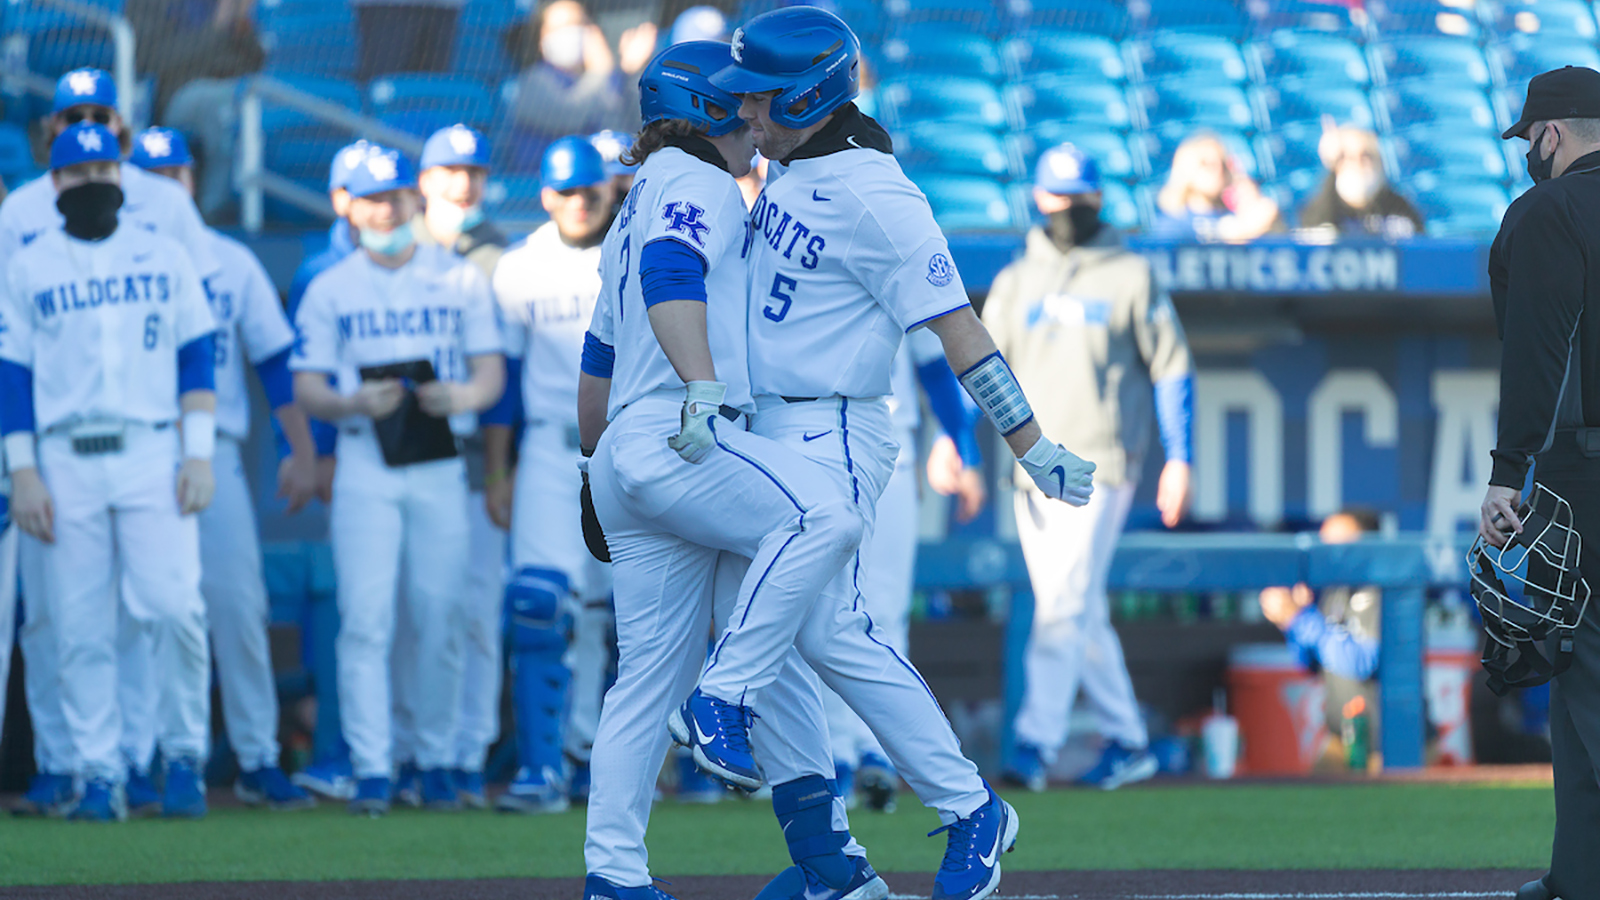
[1544, 273]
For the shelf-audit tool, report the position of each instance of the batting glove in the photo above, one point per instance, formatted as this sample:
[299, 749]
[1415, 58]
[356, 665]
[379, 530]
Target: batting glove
[701, 404]
[1058, 472]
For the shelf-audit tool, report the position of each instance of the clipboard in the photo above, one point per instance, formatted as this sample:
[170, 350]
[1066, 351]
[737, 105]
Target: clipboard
[408, 435]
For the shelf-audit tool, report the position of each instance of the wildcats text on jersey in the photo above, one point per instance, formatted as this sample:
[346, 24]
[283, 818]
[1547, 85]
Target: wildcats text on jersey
[765, 219]
[364, 324]
[141, 287]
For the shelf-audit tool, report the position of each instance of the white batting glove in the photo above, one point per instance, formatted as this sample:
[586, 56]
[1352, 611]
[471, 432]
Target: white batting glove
[1059, 473]
[701, 404]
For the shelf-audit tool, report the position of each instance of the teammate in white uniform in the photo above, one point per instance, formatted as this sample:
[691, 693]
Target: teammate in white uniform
[154, 204]
[251, 325]
[546, 287]
[107, 341]
[397, 302]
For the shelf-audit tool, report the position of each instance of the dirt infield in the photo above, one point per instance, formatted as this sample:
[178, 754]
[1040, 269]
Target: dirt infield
[1356, 884]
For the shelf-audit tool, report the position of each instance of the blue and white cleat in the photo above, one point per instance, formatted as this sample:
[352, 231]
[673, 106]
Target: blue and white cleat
[141, 795]
[269, 787]
[718, 734]
[49, 796]
[470, 788]
[372, 797]
[102, 801]
[408, 785]
[877, 782]
[971, 867]
[185, 794]
[439, 791]
[1025, 768]
[597, 888]
[533, 792]
[1121, 765]
[800, 883]
[330, 778]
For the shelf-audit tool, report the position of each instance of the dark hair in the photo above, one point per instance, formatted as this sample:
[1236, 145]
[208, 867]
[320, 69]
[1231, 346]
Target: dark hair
[1365, 517]
[656, 135]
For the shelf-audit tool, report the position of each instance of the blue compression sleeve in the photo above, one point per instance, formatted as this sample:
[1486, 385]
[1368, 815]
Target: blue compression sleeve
[599, 358]
[276, 379]
[197, 365]
[1339, 651]
[16, 398]
[669, 269]
[1175, 415]
[956, 412]
[508, 409]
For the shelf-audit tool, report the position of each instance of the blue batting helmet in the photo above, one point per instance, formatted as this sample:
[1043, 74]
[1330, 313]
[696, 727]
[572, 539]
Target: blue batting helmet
[571, 162]
[1064, 169]
[677, 85]
[160, 148]
[808, 55]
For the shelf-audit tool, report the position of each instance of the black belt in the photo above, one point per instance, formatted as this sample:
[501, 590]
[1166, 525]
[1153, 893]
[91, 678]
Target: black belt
[799, 399]
[728, 412]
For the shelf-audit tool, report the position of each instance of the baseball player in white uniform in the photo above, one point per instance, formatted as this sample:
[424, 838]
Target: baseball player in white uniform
[251, 325]
[107, 343]
[547, 286]
[153, 204]
[395, 302]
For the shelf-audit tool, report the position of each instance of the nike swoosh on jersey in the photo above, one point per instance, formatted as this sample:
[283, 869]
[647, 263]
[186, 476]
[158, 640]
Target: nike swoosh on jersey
[820, 199]
[999, 835]
[808, 438]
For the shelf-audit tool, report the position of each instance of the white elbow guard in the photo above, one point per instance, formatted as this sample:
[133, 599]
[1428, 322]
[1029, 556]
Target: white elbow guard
[994, 388]
[199, 434]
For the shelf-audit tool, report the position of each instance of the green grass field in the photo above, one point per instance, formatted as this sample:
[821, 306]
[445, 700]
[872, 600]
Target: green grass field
[1249, 827]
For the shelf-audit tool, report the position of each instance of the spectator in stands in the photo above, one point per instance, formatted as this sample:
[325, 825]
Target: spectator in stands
[1356, 197]
[578, 85]
[1209, 197]
[405, 35]
[197, 52]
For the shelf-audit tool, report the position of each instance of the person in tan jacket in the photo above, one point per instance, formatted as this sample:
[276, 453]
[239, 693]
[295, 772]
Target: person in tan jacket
[1082, 324]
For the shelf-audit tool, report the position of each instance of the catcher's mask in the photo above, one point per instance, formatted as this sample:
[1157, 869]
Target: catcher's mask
[1531, 594]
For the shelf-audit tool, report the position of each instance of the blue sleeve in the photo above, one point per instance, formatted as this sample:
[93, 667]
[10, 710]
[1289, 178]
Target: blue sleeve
[276, 379]
[197, 365]
[669, 269]
[16, 398]
[1338, 651]
[508, 409]
[599, 358]
[956, 412]
[1175, 415]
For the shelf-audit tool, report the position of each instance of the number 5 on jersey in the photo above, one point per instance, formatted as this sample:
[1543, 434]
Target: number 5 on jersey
[781, 286]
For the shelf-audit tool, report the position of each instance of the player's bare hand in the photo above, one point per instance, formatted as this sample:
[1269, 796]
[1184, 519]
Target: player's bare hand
[1497, 518]
[443, 398]
[1173, 493]
[1059, 473]
[497, 497]
[196, 486]
[326, 466]
[1281, 604]
[949, 475]
[31, 506]
[297, 481]
[379, 398]
[636, 46]
[701, 403]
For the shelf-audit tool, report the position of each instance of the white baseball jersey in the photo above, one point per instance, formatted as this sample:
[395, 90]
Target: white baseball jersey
[674, 197]
[150, 202]
[547, 292]
[250, 324]
[436, 307]
[100, 324]
[844, 257]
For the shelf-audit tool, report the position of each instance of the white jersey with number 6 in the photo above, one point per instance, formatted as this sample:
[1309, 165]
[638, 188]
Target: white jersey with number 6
[251, 326]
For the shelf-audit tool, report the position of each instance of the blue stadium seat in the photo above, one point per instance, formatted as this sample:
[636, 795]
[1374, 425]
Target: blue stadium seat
[1326, 58]
[1058, 51]
[1269, 16]
[455, 98]
[1410, 105]
[939, 149]
[303, 158]
[1300, 101]
[493, 13]
[1456, 208]
[16, 155]
[1191, 104]
[939, 49]
[480, 53]
[1102, 17]
[1546, 18]
[1423, 17]
[1219, 17]
[1159, 149]
[316, 44]
[1119, 207]
[980, 15]
[55, 48]
[276, 119]
[1431, 58]
[1290, 148]
[1197, 57]
[1116, 157]
[1523, 56]
[968, 204]
[1449, 154]
[966, 101]
[1048, 99]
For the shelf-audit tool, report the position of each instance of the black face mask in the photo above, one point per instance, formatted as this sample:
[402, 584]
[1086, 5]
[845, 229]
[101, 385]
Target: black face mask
[90, 209]
[1539, 168]
[1074, 226]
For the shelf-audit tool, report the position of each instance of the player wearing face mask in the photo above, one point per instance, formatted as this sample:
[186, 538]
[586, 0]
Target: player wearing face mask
[1356, 198]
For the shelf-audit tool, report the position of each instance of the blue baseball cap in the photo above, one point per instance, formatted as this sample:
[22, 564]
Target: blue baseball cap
[612, 144]
[160, 148]
[698, 23]
[84, 142]
[85, 86]
[572, 162]
[381, 170]
[457, 145]
[345, 162]
[1064, 169]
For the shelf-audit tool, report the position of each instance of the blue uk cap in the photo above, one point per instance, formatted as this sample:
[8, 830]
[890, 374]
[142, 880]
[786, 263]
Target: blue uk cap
[612, 144]
[84, 142]
[160, 148]
[85, 86]
[457, 145]
[382, 170]
[571, 162]
[1064, 169]
[345, 162]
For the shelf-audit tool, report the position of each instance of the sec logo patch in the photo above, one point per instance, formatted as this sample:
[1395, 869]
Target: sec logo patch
[941, 271]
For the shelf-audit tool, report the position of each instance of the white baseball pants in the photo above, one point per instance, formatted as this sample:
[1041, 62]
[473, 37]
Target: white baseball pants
[386, 522]
[1068, 551]
[478, 717]
[122, 507]
[52, 744]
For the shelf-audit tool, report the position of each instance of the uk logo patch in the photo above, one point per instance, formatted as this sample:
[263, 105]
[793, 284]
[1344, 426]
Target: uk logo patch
[463, 141]
[90, 141]
[382, 167]
[738, 46]
[83, 83]
[941, 271]
[686, 217]
[157, 144]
